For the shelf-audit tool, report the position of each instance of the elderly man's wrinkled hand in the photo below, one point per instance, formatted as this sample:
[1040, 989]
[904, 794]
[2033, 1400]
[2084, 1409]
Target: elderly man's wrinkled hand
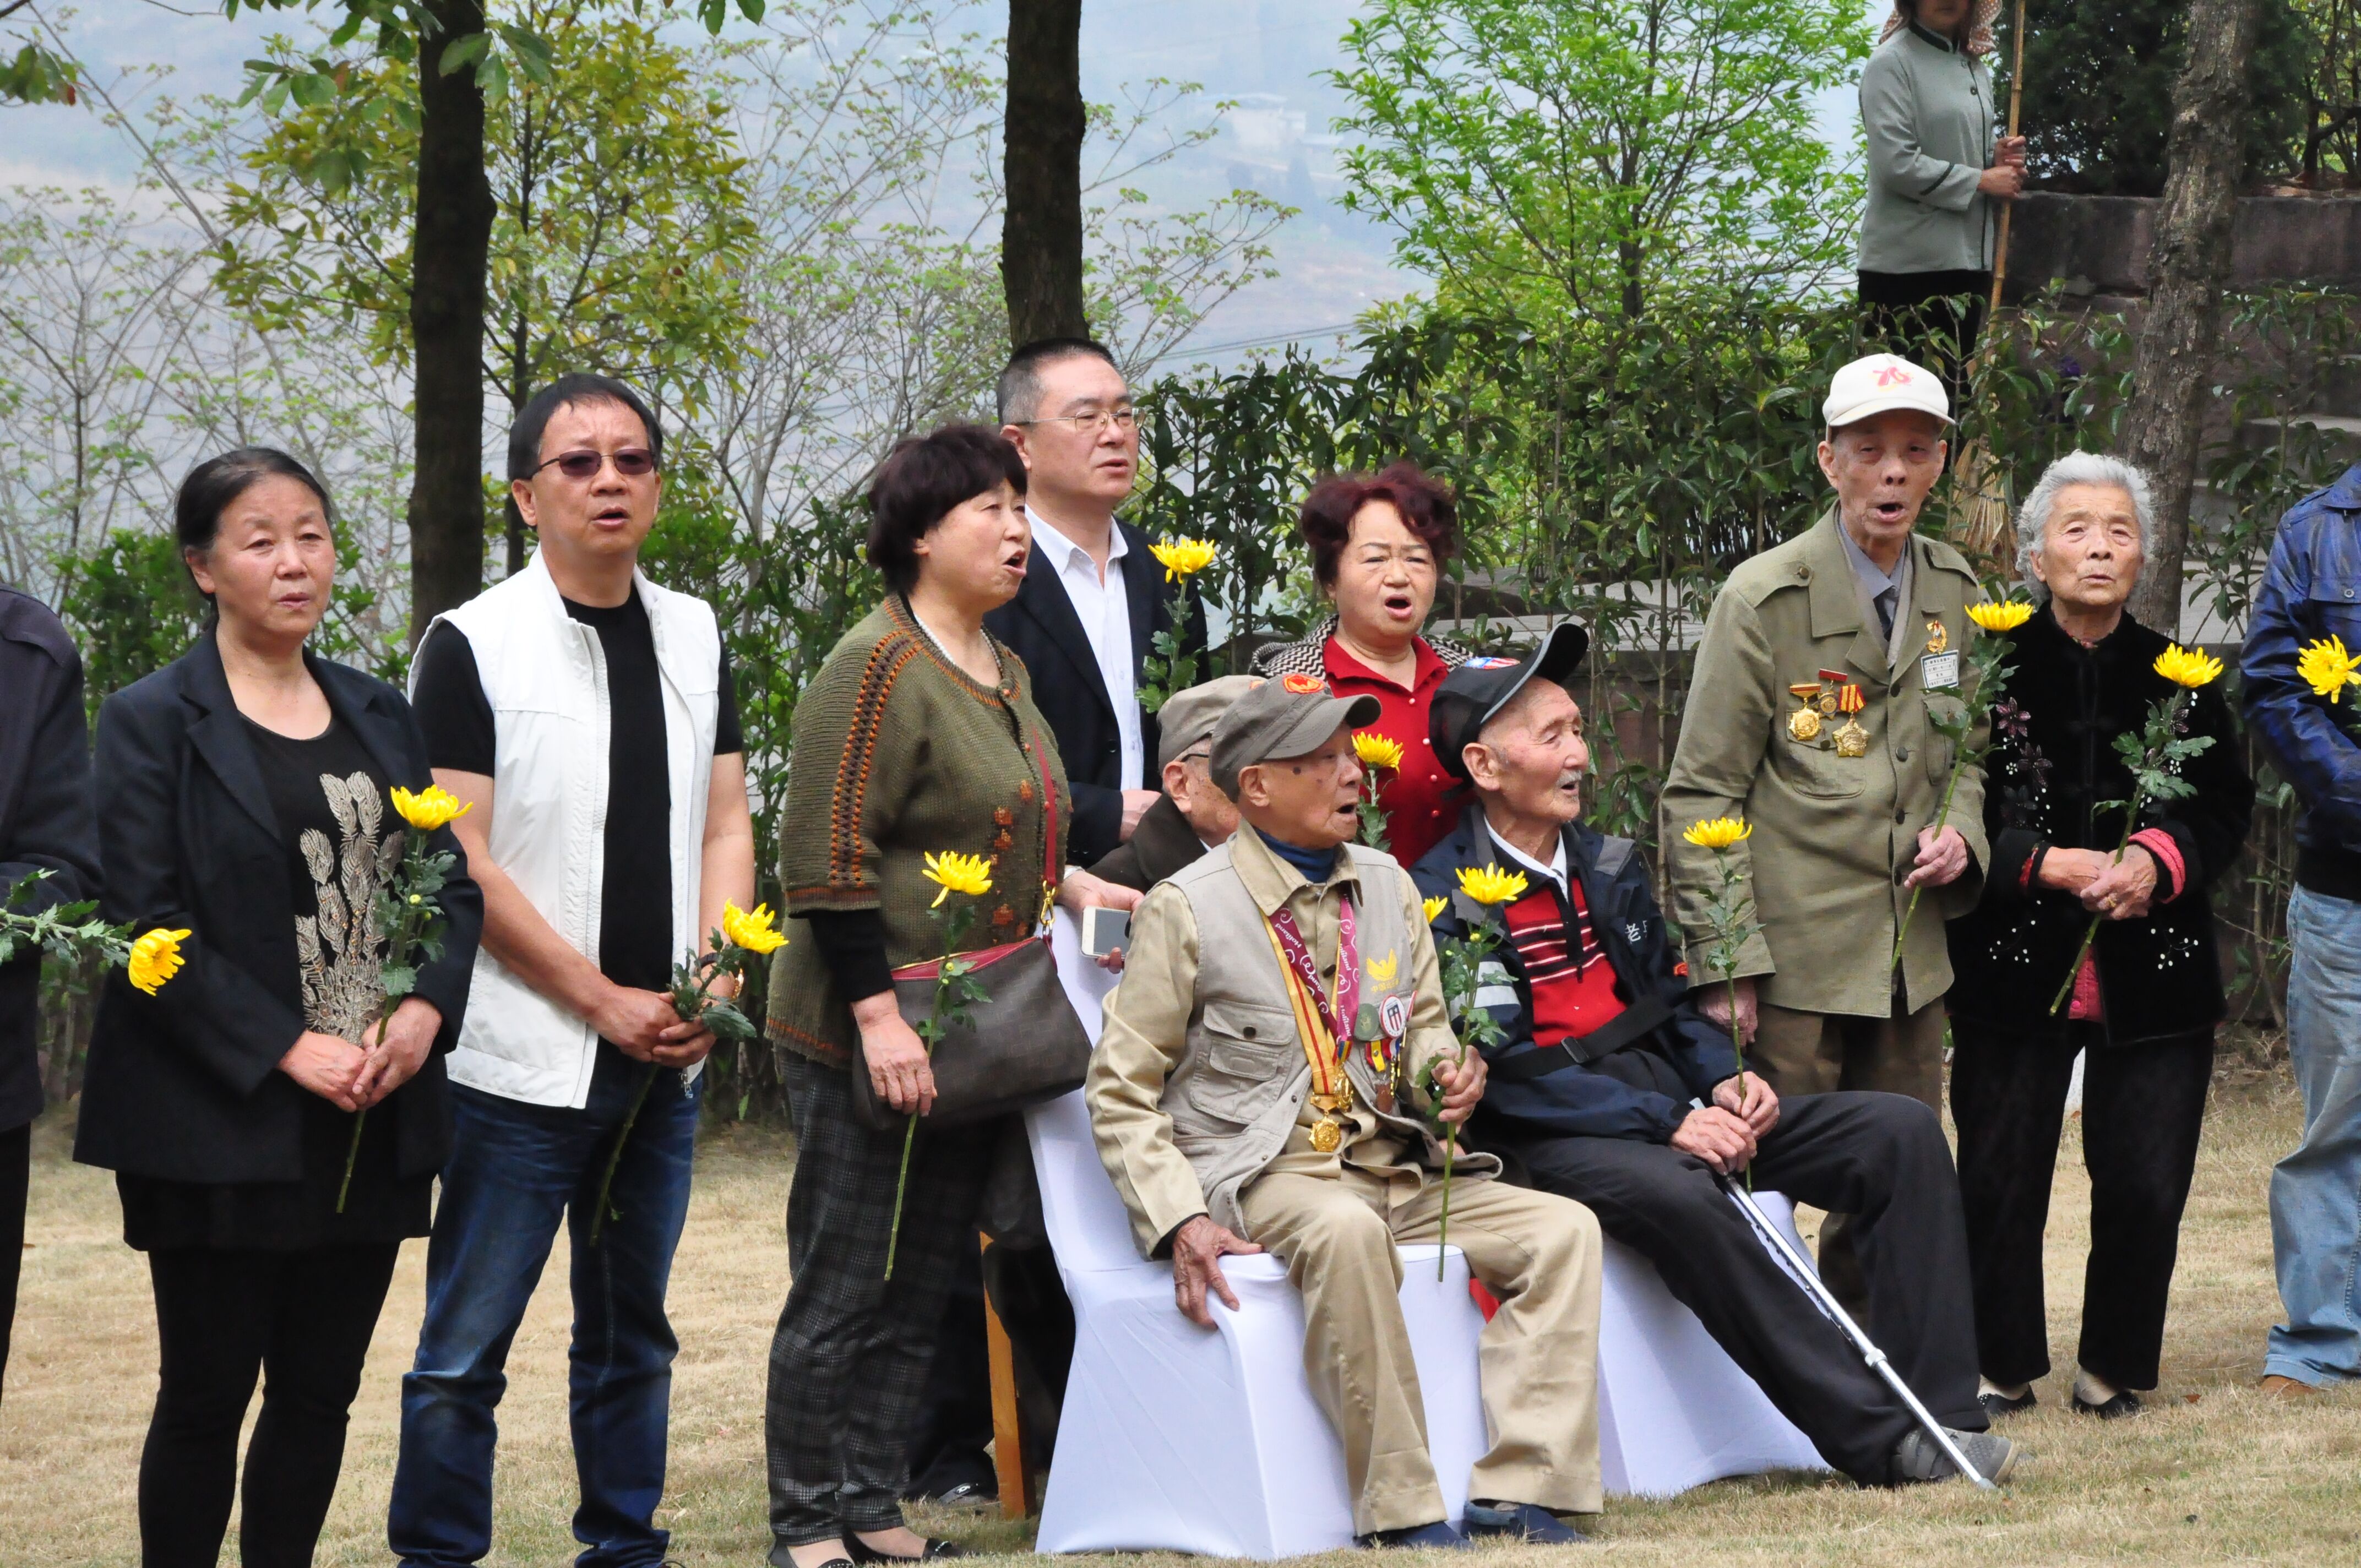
[1462, 1082]
[1942, 859]
[1197, 1249]
[1712, 1134]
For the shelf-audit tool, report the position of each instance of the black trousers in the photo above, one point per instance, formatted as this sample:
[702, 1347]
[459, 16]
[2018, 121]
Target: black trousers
[954, 1422]
[1880, 1157]
[15, 1179]
[2142, 1108]
[1921, 316]
[302, 1320]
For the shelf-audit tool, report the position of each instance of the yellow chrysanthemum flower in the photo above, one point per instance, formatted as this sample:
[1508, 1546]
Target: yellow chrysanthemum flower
[2327, 668]
[1718, 832]
[1492, 885]
[955, 872]
[1375, 752]
[2188, 667]
[1435, 906]
[1182, 557]
[155, 959]
[429, 809]
[2003, 615]
[752, 929]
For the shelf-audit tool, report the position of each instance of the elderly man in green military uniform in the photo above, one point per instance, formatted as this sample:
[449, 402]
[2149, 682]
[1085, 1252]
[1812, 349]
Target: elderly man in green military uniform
[1826, 663]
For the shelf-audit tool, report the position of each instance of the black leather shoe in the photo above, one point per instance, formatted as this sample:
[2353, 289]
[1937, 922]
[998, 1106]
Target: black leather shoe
[1519, 1522]
[2126, 1403]
[1998, 1404]
[862, 1552]
[1438, 1534]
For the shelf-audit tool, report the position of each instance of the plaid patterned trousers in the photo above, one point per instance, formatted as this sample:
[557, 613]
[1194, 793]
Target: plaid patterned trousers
[849, 1358]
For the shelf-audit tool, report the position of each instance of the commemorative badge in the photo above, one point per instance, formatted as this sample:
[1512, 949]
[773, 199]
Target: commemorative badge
[1937, 637]
[1302, 684]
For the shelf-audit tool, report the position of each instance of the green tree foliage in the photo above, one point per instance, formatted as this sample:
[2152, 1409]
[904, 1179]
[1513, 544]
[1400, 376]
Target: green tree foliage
[622, 209]
[33, 74]
[2098, 91]
[135, 608]
[1547, 156]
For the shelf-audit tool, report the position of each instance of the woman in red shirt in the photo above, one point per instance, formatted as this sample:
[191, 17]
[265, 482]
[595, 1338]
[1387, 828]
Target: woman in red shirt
[1377, 548]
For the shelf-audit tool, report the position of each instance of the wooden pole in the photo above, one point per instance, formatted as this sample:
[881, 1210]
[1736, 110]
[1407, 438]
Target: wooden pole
[1007, 1418]
[2016, 104]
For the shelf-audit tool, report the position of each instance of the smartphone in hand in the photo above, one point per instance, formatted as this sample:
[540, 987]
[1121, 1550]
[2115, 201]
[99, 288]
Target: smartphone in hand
[1105, 931]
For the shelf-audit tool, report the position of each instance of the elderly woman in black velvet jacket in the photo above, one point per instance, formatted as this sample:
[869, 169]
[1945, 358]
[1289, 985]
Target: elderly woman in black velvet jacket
[2145, 1000]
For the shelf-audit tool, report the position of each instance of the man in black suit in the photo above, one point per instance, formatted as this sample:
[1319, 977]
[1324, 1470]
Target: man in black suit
[46, 825]
[1094, 597]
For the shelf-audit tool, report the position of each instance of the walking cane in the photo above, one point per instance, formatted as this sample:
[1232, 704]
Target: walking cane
[1813, 1286]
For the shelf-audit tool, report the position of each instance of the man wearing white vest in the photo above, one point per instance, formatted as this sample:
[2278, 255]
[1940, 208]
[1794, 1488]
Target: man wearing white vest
[584, 716]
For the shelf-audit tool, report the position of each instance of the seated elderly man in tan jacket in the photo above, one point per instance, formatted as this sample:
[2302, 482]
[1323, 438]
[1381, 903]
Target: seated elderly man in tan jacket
[1258, 1086]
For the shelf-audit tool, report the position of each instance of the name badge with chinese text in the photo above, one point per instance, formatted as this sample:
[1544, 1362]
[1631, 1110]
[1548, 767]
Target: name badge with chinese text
[1940, 672]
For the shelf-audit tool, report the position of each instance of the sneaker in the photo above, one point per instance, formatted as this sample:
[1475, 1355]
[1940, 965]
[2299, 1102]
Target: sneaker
[1528, 1522]
[1916, 1458]
[1997, 1405]
[1438, 1534]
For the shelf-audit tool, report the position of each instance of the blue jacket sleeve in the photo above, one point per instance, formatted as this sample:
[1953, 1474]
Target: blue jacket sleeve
[2304, 740]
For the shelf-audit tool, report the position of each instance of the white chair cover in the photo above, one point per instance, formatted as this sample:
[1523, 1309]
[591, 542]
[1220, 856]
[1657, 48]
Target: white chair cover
[1174, 1438]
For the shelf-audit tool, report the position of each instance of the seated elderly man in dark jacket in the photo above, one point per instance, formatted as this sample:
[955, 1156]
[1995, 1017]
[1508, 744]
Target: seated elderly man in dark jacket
[1610, 1089]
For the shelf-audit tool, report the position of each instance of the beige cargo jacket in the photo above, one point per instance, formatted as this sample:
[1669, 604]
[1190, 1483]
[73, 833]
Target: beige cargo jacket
[1200, 1082]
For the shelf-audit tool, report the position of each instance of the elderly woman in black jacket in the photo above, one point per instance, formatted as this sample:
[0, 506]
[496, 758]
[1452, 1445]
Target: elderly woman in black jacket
[244, 796]
[2145, 1000]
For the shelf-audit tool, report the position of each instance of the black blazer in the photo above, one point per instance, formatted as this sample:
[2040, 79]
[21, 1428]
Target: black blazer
[1040, 624]
[2052, 763]
[183, 1084]
[45, 816]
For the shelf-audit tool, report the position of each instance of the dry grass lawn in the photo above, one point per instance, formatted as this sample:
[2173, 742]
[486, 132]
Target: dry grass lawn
[2214, 1473]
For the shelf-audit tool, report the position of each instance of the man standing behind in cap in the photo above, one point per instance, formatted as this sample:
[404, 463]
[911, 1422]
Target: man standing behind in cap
[1612, 1090]
[1811, 714]
[1193, 817]
[1256, 1085]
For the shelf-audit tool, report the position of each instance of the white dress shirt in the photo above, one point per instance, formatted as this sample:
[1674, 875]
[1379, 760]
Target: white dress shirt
[1104, 610]
[1554, 870]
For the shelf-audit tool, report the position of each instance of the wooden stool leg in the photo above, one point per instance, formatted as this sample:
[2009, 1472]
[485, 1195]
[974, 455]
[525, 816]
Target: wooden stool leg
[1007, 1420]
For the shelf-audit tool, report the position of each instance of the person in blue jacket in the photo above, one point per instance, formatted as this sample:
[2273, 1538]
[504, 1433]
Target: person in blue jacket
[2311, 593]
[1609, 1087]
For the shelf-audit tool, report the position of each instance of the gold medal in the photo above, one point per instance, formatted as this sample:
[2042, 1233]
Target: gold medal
[1803, 723]
[1326, 1135]
[1852, 740]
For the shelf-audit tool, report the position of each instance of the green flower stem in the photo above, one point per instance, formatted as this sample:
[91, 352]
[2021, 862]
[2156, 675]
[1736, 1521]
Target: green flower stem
[1942, 819]
[614, 1160]
[1739, 1050]
[401, 951]
[901, 1188]
[1443, 1226]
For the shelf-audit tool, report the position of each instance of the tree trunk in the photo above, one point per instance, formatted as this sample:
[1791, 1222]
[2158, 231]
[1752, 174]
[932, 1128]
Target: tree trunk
[450, 251]
[2187, 271]
[1041, 231]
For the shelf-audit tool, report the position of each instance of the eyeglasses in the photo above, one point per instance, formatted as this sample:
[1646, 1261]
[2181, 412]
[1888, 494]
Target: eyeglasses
[1125, 420]
[631, 463]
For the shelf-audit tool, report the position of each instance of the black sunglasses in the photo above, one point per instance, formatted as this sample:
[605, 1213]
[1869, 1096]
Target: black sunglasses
[631, 462]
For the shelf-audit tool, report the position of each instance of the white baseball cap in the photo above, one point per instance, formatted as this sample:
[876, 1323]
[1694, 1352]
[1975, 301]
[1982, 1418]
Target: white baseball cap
[1881, 382]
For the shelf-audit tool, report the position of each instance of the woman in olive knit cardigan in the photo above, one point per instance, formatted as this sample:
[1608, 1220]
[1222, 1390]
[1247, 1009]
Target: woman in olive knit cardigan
[917, 735]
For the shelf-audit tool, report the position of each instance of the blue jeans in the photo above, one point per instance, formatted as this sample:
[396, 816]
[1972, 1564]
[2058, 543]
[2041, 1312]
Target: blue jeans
[2316, 1190]
[515, 1171]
